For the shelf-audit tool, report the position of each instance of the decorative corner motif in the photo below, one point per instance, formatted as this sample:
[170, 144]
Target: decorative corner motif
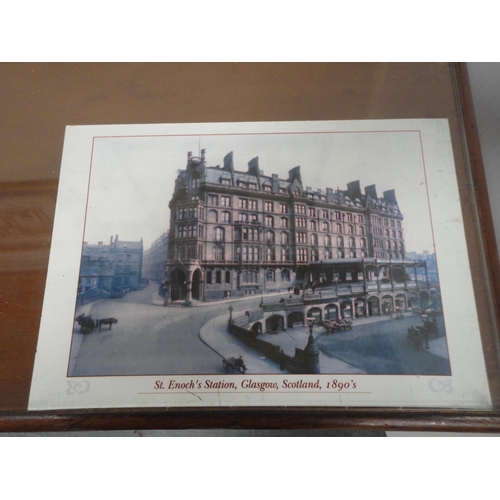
[436, 385]
[80, 387]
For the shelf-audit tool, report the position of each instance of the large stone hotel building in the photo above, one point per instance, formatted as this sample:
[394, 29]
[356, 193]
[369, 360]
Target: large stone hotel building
[236, 233]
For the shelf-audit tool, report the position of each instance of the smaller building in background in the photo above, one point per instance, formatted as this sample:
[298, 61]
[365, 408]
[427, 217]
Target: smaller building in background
[109, 271]
[155, 259]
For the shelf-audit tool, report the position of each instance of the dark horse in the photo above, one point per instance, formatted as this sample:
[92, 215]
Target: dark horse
[106, 321]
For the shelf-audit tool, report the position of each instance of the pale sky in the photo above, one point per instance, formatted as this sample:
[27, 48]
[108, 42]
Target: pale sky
[133, 178]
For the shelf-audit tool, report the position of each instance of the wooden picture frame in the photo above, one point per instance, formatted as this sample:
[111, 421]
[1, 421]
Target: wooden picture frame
[404, 91]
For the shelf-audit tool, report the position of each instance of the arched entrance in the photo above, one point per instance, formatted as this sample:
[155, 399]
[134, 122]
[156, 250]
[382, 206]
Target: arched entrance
[314, 313]
[177, 285]
[346, 309]
[257, 328]
[332, 312]
[275, 323]
[387, 304]
[359, 308]
[400, 302]
[413, 301]
[373, 306]
[424, 300]
[196, 285]
[295, 319]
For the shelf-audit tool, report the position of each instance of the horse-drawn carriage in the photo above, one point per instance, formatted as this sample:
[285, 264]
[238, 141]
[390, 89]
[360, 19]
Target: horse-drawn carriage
[234, 364]
[419, 335]
[88, 324]
[339, 325]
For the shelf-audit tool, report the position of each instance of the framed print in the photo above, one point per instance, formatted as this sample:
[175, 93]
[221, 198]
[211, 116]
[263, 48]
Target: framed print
[203, 265]
[234, 251]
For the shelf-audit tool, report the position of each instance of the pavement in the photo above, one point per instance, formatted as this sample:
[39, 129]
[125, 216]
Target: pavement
[214, 333]
[158, 300]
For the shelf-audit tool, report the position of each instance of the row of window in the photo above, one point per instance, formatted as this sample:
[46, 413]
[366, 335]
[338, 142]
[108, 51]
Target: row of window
[328, 253]
[218, 277]
[251, 185]
[389, 255]
[253, 254]
[266, 187]
[300, 222]
[389, 245]
[385, 222]
[253, 234]
[189, 231]
[188, 251]
[188, 213]
[120, 269]
[379, 231]
[269, 206]
[249, 276]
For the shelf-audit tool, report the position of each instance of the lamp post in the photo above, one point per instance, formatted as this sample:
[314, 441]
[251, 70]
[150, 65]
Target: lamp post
[425, 330]
[310, 324]
[311, 351]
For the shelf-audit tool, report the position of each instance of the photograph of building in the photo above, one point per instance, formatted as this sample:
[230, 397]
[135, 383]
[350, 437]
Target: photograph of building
[243, 265]
[109, 271]
[236, 233]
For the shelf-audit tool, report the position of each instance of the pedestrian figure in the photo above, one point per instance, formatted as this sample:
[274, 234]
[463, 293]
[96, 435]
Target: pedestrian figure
[426, 338]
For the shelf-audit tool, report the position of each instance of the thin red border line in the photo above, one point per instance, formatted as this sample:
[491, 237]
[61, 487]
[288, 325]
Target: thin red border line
[434, 244]
[255, 133]
[81, 245]
[269, 133]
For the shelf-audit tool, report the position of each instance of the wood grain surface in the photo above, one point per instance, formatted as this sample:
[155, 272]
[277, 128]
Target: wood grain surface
[37, 101]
